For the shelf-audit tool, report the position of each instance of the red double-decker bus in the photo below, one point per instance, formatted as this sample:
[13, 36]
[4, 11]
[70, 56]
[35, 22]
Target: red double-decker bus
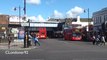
[72, 34]
[42, 33]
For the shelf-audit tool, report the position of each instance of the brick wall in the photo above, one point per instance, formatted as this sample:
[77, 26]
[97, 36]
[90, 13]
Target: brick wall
[4, 19]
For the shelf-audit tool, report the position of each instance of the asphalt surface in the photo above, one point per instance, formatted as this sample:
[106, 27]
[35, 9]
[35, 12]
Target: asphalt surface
[58, 49]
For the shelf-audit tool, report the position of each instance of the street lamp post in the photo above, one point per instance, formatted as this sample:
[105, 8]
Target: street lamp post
[88, 30]
[88, 33]
[88, 18]
[19, 8]
[19, 14]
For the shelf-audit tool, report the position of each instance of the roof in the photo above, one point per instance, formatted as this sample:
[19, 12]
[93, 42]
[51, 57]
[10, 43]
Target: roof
[86, 20]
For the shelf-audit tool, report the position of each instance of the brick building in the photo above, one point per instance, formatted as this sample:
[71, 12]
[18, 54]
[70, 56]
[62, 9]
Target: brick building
[4, 22]
[4, 19]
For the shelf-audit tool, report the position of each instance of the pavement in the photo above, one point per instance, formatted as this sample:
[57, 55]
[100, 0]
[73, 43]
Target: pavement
[57, 49]
[16, 45]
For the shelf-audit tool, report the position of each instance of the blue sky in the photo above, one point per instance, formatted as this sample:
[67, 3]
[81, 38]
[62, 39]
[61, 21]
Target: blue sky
[53, 8]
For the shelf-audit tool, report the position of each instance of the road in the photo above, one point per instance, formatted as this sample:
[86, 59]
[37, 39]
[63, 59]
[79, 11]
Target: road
[58, 49]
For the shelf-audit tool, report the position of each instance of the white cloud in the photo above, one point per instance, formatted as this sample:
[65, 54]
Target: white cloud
[57, 14]
[37, 2]
[33, 18]
[39, 18]
[74, 12]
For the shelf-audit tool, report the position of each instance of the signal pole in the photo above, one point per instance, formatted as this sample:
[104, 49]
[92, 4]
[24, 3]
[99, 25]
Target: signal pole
[25, 9]
[25, 36]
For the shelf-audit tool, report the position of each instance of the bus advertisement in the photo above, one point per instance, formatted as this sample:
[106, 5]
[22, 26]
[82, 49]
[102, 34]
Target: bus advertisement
[73, 34]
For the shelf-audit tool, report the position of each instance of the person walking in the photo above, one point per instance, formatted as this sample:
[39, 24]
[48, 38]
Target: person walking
[36, 41]
[98, 38]
[103, 39]
[9, 40]
[94, 39]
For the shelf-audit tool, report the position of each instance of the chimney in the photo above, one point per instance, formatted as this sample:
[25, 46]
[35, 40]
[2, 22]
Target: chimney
[78, 18]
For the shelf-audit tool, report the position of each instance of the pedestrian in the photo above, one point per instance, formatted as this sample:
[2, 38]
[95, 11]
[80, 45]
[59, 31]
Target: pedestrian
[94, 39]
[9, 40]
[103, 40]
[36, 41]
[98, 39]
[30, 40]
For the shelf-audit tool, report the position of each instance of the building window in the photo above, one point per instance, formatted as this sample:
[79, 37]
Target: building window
[100, 19]
[95, 20]
[105, 17]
